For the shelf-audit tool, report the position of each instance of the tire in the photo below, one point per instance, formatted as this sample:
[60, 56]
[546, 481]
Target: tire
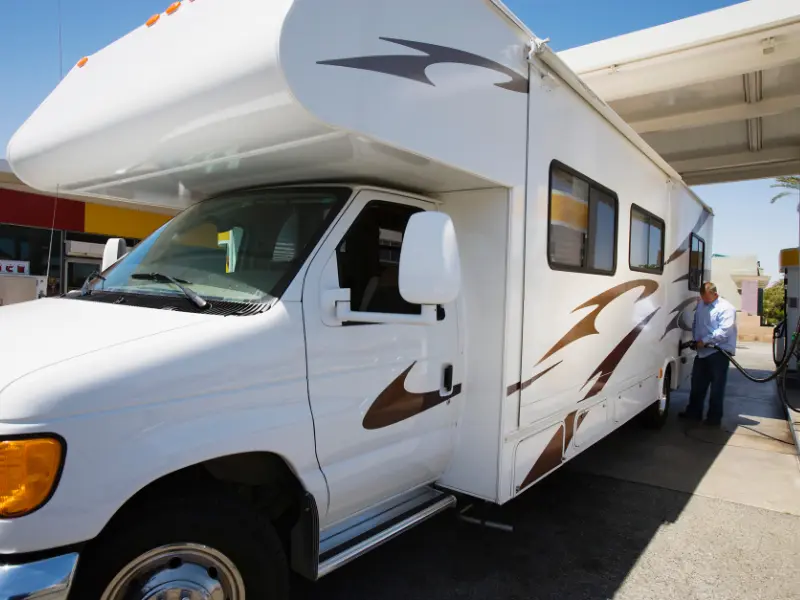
[215, 543]
[655, 416]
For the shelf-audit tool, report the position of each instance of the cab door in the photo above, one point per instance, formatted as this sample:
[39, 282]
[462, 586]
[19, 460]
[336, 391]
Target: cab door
[385, 396]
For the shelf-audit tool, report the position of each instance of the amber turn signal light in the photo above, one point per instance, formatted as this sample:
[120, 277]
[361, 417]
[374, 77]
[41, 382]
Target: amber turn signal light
[29, 470]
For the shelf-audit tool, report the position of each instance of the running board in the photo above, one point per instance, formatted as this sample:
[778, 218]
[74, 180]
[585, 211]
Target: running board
[364, 532]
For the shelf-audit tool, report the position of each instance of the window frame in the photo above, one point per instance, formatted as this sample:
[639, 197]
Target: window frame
[555, 266]
[374, 200]
[693, 236]
[660, 270]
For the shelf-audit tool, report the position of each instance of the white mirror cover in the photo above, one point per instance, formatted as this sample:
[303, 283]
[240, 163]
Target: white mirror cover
[115, 248]
[430, 267]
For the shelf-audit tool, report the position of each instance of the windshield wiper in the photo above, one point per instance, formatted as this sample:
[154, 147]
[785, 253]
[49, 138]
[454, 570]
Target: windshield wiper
[85, 289]
[196, 299]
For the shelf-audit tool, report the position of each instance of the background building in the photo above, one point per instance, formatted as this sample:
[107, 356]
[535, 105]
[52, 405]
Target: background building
[728, 273]
[62, 238]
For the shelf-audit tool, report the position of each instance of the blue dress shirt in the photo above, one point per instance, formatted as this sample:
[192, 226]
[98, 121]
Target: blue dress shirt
[715, 323]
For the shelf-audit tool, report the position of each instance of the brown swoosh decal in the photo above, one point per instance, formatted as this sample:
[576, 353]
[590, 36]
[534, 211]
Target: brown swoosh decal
[396, 403]
[548, 460]
[521, 386]
[684, 246]
[675, 322]
[586, 326]
[413, 66]
[606, 368]
[569, 422]
[553, 454]
[684, 277]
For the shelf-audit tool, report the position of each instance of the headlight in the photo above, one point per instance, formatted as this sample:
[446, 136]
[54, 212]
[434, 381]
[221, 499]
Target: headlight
[29, 470]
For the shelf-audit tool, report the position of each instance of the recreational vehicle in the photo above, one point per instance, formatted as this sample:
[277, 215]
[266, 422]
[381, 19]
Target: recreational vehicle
[416, 260]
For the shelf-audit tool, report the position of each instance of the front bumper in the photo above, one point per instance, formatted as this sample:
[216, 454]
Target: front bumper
[47, 579]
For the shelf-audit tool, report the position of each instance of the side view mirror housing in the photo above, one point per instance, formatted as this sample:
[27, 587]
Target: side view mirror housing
[430, 266]
[114, 250]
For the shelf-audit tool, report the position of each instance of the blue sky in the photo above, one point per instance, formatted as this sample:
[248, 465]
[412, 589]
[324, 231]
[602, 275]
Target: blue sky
[746, 223]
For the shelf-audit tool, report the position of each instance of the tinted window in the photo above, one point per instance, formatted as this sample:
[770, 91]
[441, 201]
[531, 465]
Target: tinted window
[34, 245]
[583, 224]
[697, 253]
[369, 259]
[647, 242]
[245, 246]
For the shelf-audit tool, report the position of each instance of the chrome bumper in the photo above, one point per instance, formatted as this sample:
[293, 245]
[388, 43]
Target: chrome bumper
[48, 579]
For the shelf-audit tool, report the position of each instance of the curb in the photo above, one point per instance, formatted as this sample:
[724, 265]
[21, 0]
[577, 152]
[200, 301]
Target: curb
[793, 418]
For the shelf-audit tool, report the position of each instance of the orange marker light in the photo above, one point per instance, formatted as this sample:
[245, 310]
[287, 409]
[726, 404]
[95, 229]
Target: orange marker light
[83, 61]
[29, 470]
[660, 373]
[152, 20]
[173, 8]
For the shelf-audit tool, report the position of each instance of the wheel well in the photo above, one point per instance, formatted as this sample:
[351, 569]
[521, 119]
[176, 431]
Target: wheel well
[669, 369]
[263, 479]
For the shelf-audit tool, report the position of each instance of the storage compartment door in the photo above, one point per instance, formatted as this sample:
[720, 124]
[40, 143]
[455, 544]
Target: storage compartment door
[537, 456]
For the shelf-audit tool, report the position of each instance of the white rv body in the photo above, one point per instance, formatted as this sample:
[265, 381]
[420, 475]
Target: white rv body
[395, 104]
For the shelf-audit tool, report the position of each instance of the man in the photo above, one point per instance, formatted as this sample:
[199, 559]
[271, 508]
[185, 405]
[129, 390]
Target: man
[714, 323]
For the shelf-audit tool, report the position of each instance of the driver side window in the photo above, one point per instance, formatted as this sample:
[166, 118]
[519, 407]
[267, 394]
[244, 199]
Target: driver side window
[368, 259]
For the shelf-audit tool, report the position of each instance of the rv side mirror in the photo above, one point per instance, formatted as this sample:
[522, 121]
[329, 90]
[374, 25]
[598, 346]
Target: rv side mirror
[114, 250]
[430, 267]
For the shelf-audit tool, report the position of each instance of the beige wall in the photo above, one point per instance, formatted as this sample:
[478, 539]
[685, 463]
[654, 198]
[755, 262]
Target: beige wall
[722, 269]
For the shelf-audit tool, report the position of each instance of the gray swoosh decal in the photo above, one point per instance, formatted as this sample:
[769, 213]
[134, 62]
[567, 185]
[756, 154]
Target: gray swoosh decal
[413, 66]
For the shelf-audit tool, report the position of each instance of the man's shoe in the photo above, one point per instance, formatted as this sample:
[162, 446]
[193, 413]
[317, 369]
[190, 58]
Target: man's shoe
[690, 416]
[712, 423]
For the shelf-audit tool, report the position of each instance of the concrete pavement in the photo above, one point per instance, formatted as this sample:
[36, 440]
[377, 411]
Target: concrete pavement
[751, 459]
[686, 513]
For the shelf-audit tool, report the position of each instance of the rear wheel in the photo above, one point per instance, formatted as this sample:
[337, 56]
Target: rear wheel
[204, 549]
[655, 415]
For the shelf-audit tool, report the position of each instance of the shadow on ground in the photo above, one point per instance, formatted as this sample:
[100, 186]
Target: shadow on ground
[578, 534]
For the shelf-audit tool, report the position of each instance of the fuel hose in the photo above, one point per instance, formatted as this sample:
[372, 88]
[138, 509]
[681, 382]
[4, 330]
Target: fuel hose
[780, 370]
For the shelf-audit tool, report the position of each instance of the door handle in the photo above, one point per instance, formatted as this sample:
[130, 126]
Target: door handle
[448, 378]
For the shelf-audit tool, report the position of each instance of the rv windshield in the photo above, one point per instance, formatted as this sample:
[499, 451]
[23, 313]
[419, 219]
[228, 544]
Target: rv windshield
[240, 247]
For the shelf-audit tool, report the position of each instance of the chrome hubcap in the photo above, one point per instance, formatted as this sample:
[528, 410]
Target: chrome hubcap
[178, 572]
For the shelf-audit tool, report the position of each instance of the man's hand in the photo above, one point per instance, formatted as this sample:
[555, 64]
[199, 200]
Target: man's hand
[700, 344]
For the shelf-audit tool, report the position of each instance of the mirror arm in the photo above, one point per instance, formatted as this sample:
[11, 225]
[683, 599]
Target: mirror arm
[340, 299]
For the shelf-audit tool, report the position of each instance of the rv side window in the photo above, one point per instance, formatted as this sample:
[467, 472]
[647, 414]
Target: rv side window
[697, 260]
[368, 259]
[647, 242]
[583, 224]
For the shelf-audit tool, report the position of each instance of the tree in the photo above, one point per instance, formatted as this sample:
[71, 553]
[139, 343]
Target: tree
[790, 185]
[773, 303]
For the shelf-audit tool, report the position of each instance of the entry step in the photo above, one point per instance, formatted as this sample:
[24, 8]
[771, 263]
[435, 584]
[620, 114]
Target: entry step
[358, 535]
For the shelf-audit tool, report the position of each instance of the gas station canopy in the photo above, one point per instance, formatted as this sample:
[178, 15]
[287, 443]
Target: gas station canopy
[716, 95]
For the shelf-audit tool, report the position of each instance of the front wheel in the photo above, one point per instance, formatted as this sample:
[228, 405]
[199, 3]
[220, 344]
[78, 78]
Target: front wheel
[655, 415]
[204, 550]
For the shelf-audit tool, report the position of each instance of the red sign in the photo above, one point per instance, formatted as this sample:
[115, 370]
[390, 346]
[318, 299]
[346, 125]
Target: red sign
[15, 267]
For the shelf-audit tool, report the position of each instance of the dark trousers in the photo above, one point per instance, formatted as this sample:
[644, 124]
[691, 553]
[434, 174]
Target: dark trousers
[709, 371]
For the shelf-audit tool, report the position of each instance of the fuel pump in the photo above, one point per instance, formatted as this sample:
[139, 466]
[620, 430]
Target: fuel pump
[788, 264]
